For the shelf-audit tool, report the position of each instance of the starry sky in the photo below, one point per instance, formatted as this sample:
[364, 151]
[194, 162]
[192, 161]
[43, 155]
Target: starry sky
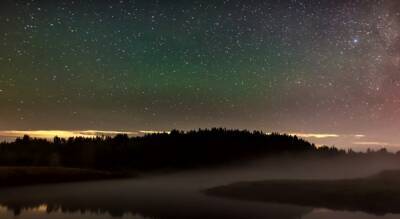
[327, 70]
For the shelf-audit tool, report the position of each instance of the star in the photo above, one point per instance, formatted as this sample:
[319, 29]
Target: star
[200, 63]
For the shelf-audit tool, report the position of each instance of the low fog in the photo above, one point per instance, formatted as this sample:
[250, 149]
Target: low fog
[179, 194]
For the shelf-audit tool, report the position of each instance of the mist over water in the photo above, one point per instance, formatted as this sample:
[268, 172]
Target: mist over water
[178, 195]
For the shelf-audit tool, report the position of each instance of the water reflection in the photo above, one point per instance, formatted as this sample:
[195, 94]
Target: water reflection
[44, 212]
[32, 214]
[163, 197]
[329, 214]
[133, 199]
[241, 210]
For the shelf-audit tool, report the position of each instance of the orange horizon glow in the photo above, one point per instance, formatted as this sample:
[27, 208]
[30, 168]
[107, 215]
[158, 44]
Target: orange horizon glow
[96, 133]
[48, 134]
[319, 139]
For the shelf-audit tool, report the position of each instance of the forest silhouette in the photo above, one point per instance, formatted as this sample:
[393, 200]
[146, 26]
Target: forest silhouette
[177, 149]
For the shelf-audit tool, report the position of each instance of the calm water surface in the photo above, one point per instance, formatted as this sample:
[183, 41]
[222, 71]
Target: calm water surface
[173, 196]
[149, 198]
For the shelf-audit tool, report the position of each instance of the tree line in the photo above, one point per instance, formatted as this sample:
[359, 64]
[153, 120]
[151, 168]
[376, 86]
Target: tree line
[177, 149]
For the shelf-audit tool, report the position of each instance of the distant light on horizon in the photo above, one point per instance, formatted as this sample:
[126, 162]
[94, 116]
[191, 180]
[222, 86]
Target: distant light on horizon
[314, 135]
[154, 132]
[343, 141]
[49, 134]
[375, 143]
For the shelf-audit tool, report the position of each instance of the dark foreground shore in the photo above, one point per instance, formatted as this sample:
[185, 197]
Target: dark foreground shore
[19, 176]
[378, 194]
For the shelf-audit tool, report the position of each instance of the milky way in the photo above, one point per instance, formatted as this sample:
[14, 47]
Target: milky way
[289, 66]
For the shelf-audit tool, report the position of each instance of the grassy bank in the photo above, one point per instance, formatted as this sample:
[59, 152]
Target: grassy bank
[378, 194]
[18, 176]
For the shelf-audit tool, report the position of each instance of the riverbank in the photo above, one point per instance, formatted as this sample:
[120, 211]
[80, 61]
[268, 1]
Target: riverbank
[378, 194]
[20, 176]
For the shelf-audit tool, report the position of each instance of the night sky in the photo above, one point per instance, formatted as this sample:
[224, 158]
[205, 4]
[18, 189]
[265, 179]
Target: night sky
[310, 67]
